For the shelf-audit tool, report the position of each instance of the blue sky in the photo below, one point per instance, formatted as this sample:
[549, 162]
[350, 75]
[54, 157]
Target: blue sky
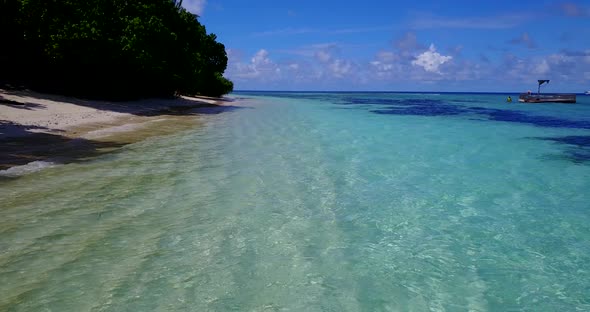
[402, 45]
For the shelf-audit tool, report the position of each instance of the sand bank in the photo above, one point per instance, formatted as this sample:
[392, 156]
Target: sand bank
[40, 128]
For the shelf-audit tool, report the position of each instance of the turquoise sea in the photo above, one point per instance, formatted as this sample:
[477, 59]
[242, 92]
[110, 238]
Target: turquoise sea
[315, 202]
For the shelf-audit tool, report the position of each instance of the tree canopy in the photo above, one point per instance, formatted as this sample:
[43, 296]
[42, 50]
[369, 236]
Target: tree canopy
[109, 48]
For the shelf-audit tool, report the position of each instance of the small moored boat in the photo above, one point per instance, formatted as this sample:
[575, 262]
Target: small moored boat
[546, 97]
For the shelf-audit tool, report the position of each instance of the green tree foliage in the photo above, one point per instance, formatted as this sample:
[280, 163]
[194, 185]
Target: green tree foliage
[109, 48]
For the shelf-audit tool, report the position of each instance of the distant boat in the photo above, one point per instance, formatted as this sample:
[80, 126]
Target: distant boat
[546, 97]
[587, 92]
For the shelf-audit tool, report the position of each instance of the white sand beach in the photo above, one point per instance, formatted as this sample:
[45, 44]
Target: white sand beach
[59, 114]
[36, 126]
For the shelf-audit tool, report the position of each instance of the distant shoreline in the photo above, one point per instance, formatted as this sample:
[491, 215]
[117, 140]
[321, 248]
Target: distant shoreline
[399, 92]
[43, 127]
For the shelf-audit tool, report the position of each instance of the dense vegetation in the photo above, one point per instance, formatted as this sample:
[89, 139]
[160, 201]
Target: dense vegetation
[109, 49]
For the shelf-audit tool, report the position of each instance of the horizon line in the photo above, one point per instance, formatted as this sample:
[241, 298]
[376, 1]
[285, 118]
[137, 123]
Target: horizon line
[430, 92]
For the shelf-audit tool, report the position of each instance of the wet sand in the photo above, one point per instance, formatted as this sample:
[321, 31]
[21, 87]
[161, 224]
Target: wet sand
[37, 127]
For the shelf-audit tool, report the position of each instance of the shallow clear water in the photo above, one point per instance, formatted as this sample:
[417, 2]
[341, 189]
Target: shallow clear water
[316, 202]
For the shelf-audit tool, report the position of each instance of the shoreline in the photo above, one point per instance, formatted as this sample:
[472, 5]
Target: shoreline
[40, 130]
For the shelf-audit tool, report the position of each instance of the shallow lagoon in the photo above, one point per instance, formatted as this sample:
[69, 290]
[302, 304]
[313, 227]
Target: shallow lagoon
[315, 202]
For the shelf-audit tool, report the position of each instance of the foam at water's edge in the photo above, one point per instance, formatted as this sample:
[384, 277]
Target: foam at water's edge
[27, 169]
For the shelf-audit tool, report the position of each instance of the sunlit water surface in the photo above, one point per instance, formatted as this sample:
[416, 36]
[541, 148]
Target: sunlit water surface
[316, 202]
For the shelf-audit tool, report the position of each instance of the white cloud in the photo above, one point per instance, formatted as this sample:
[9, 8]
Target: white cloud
[323, 56]
[320, 69]
[323, 67]
[194, 6]
[261, 64]
[382, 70]
[326, 54]
[524, 39]
[340, 68]
[542, 68]
[386, 56]
[562, 68]
[261, 57]
[260, 67]
[431, 60]
[408, 42]
[386, 65]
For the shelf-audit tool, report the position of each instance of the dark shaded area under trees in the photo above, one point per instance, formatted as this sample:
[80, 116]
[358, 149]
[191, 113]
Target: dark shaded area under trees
[109, 49]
